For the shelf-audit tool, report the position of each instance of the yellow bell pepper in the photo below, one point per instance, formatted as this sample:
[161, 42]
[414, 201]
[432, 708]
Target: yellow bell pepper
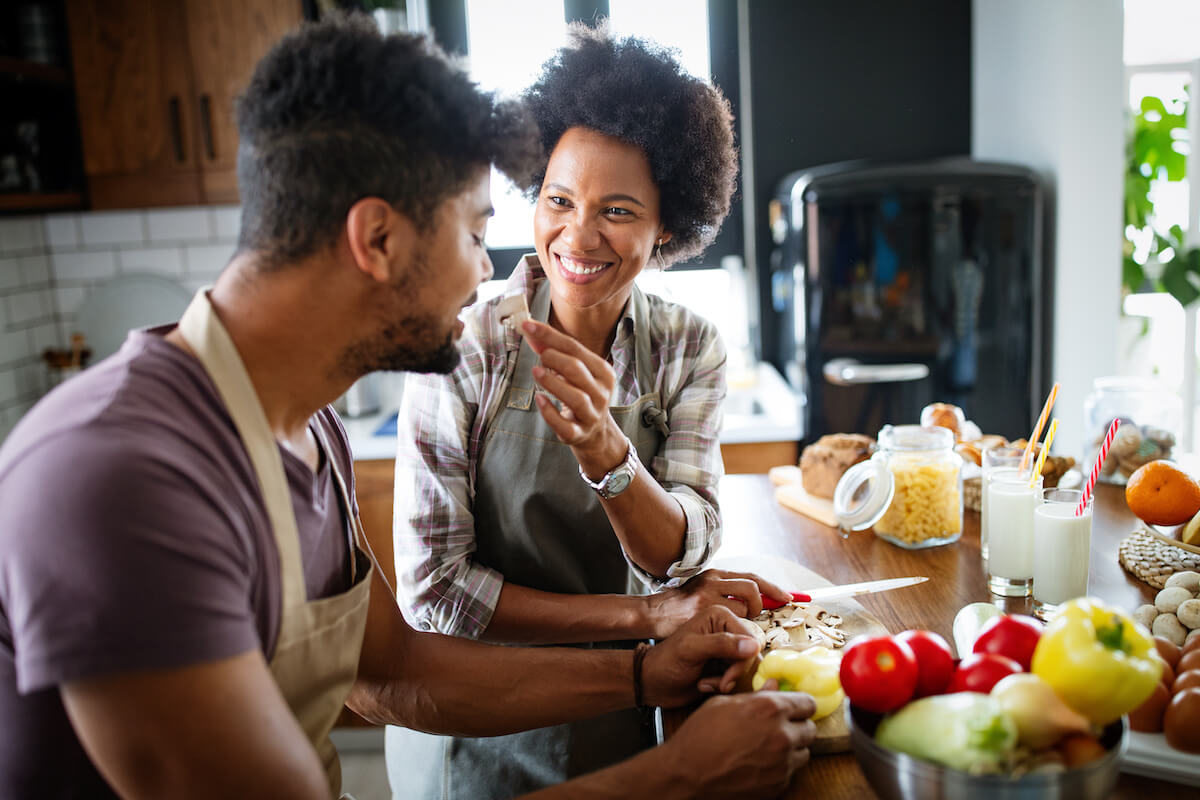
[814, 670]
[1097, 659]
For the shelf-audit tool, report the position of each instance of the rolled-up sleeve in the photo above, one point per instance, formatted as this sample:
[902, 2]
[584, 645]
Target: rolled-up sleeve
[439, 585]
[689, 464]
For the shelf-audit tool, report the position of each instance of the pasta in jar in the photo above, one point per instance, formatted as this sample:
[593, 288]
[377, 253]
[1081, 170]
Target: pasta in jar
[926, 506]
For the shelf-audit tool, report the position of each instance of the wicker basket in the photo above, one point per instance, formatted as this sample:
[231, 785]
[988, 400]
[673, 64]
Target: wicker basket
[971, 493]
[1151, 557]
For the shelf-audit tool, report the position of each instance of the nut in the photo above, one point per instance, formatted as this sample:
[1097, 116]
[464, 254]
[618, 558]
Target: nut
[1186, 579]
[1169, 627]
[1168, 600]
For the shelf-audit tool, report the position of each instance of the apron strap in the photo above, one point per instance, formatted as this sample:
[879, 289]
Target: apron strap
[212, 345]
[653, 415]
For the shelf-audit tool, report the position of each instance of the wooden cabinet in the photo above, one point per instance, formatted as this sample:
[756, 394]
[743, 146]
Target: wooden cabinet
[155, 82]
[758, 457]
[373, 482]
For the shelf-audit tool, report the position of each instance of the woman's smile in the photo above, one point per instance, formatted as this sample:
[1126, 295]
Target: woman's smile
[581, 270]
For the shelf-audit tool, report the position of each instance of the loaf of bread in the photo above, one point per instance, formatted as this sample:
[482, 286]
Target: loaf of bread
[823, 462]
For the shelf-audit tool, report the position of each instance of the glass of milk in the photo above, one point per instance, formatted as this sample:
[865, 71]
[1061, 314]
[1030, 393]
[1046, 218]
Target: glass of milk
[993, 458]
[1062, 548]
[1011, 501]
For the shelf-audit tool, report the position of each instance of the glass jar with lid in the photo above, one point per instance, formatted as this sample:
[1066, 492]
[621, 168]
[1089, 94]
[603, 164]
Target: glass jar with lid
[910, 490]
[1150, 414]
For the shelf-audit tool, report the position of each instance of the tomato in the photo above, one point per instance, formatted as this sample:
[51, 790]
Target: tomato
[1011, 635]
[979, 672]
[878, 673]
[935, 662]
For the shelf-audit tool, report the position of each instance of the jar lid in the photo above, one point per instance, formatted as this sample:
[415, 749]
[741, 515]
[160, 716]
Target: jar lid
[864, 493]
[915, 438]
[1127, 383]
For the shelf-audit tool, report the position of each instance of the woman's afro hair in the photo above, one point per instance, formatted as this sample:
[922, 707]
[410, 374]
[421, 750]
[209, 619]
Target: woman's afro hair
[635, 91]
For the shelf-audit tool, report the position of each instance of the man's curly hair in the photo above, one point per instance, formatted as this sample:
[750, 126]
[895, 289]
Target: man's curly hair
[635, 91]
[336, 112]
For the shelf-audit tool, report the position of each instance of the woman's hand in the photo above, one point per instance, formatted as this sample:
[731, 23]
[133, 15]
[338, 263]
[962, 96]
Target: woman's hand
[737, 591]
[583, 382]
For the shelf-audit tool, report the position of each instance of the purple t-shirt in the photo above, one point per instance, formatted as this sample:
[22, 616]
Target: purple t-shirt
[133, 537]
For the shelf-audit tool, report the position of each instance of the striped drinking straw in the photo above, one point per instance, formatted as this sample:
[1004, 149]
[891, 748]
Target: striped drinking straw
[1091, 484]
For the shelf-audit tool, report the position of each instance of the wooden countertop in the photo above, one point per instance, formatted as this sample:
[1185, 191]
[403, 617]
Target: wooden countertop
[755, 523]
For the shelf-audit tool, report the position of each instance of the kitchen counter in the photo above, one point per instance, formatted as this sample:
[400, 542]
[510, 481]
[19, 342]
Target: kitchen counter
[760, 407]
[756, 524]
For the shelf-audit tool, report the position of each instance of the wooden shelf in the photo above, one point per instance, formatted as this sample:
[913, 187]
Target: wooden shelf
[31, 70]
[40, 201]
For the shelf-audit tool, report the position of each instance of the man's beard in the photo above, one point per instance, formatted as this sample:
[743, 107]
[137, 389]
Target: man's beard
[412, 343]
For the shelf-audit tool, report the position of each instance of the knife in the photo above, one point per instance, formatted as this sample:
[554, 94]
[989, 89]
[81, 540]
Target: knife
[846, 590]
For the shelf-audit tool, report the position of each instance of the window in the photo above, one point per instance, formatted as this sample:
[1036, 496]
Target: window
[1162, 58]
[508, 44]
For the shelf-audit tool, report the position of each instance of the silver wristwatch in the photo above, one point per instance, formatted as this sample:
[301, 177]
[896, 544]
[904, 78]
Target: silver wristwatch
[617, 479]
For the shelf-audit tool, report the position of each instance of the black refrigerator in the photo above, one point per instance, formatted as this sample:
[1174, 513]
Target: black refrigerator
[898, 285]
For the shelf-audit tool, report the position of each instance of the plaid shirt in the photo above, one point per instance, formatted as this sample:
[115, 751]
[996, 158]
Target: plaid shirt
[444, 419]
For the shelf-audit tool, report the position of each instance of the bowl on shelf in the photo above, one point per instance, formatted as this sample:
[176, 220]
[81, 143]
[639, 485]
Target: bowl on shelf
[898, 776]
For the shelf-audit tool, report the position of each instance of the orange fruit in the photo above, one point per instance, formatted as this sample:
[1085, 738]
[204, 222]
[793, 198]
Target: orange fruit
[1160, 493]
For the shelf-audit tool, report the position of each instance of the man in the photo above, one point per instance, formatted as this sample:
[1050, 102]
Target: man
[183, 611]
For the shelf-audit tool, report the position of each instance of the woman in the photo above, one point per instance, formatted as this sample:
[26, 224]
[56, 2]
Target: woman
[523, 519]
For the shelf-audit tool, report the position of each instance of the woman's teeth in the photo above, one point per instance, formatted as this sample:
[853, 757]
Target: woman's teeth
[580, 268]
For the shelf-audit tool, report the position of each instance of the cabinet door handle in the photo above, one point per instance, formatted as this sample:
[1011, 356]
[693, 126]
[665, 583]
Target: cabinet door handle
[206, 125]
[176, 128]
[848, 372]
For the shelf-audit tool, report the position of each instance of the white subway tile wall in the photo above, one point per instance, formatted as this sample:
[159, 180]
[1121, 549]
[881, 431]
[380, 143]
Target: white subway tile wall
[49, 264]
[27, 316]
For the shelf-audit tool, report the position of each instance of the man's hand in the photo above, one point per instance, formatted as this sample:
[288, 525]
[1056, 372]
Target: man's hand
[744, 745]
[716, 638]
[737, 591]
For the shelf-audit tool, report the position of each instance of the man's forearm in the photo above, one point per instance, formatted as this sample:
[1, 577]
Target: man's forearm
[537, 617]
[465, 688]
[442, 684]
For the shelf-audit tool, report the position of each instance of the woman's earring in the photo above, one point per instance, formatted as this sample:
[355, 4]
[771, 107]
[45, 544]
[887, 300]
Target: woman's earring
[662, 264]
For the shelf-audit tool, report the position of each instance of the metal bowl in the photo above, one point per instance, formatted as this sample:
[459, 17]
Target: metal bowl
[897, 776]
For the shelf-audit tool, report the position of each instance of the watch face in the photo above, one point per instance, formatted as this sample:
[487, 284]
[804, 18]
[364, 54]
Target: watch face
[618, 483]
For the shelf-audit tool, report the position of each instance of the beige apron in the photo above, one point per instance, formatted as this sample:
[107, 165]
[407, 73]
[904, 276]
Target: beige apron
[317, 651]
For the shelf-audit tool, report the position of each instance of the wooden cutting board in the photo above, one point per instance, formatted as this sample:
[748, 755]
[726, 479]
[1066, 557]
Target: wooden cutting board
[789, 493]
[832, 734]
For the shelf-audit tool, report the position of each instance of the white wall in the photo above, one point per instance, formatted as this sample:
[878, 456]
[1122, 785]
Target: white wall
[27, 316]
[49, 265]
[188, 245]
[1046, 92]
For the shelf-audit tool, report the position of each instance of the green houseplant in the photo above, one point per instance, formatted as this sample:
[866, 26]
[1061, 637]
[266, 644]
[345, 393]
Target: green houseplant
[1169, 266]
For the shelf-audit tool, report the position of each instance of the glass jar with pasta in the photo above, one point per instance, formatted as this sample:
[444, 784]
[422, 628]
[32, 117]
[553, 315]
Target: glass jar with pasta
[910, 491]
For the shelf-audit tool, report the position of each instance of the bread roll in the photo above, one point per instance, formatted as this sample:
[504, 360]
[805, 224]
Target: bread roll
[823, 462]
[943, 415]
